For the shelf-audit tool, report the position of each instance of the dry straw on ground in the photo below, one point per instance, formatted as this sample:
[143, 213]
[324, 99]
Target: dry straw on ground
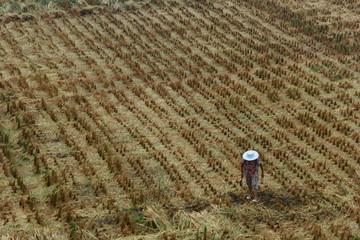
[129, 121]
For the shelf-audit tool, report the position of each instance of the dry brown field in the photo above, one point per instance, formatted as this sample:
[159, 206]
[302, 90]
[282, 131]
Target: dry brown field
[129, 122]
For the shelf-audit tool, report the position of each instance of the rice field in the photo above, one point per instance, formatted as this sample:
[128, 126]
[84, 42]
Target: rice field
[130, 122]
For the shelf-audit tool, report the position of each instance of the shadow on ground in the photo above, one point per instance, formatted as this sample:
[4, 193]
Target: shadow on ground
[269, 198]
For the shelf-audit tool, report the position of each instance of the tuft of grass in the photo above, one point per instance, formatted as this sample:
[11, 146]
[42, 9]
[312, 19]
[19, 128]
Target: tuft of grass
[26, 143]
[159, 187]
[197, 237]
[65, 4]
[21, 184]
[53, 197]
[336, 77]
[18, 121]
[31, 201]
[15, 6]
[73, 229]
[2, 97]
[316, 67]
[205, 233]
[43, 2]
[5, 136]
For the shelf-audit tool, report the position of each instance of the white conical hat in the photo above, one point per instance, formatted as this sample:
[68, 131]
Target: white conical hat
[250, 155]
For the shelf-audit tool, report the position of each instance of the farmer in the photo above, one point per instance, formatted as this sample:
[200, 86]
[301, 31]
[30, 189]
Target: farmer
[250, 166]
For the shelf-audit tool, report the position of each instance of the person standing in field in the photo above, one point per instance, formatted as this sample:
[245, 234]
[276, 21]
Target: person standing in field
[250, 166]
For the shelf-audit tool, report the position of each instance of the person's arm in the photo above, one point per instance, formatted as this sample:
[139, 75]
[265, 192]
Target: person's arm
[242, 170]
[262, 170]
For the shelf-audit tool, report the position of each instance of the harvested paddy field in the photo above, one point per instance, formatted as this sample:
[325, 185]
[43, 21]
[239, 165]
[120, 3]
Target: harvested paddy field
[130, 122]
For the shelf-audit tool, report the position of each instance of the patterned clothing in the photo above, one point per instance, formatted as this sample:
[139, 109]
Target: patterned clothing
[253, 181]
[251, 167]
[251, 171]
